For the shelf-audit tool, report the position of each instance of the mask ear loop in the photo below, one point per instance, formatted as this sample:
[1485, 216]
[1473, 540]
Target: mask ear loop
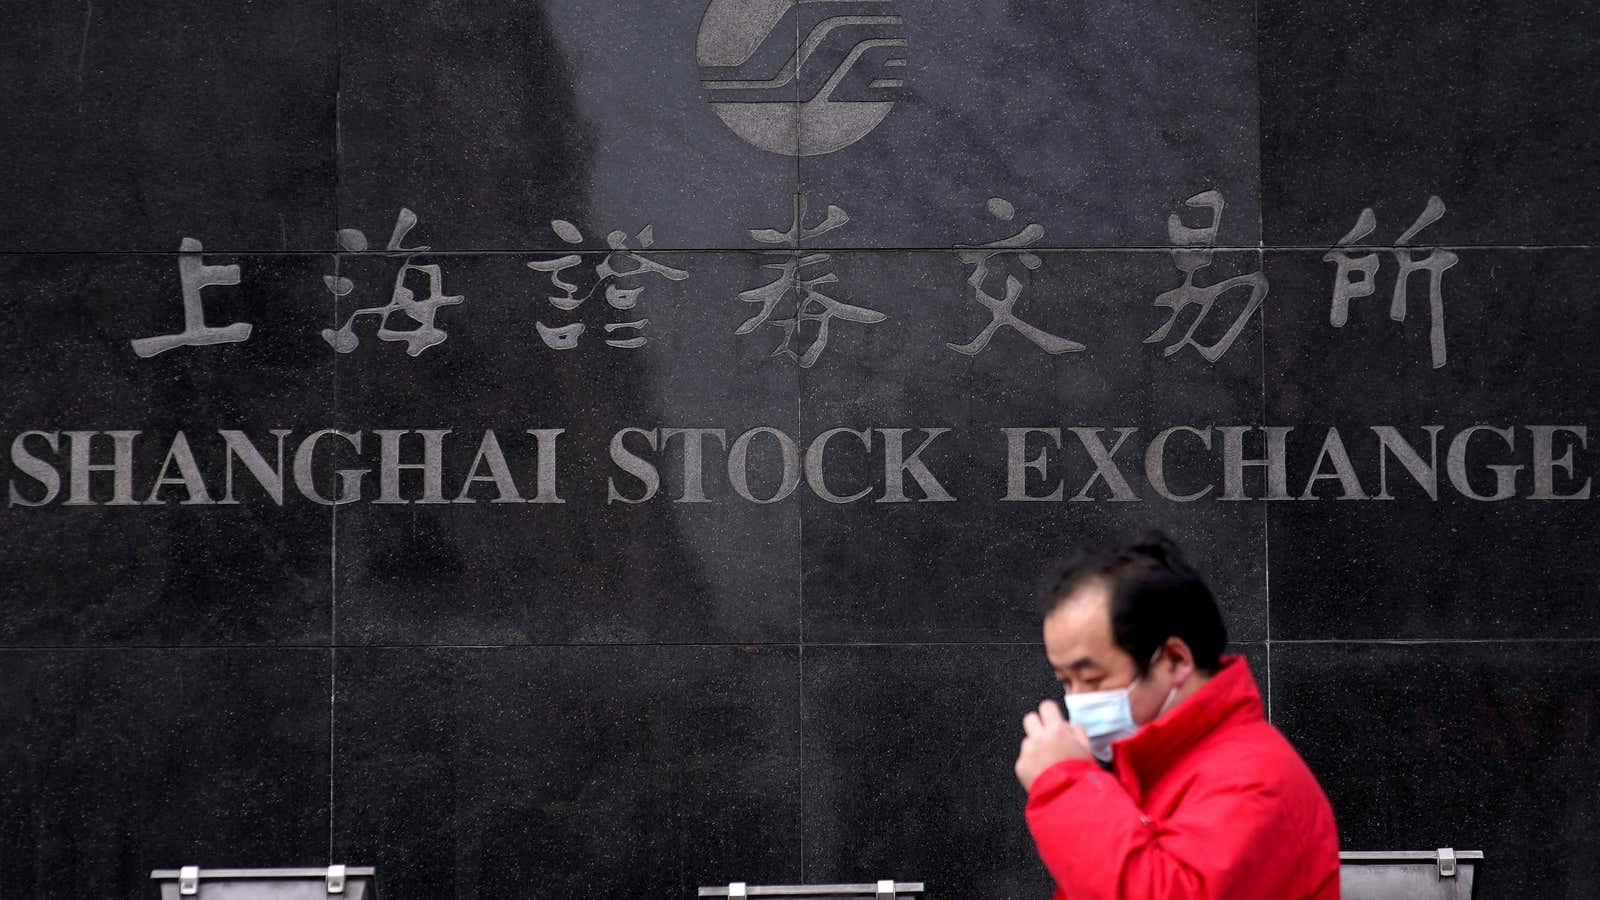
[1172, 699]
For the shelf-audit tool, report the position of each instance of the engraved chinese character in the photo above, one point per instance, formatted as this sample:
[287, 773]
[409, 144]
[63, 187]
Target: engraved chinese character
[609, 275]
[401, 299]
[195, 275]
[1347, 287]
[810, 307]
[1197, 245]
[1002, 311]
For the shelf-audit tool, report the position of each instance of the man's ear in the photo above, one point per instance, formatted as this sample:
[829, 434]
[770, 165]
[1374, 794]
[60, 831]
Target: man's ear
[1181, 658]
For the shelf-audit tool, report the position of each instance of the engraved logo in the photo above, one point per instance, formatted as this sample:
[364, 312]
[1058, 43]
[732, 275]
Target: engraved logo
[802, 77]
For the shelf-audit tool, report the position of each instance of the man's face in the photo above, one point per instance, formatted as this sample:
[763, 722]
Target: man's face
[1078, 643]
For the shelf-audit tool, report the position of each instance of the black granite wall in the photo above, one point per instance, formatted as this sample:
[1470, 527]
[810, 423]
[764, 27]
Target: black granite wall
[515, 681]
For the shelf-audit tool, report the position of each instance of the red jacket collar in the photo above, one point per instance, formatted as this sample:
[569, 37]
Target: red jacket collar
[1228, 698]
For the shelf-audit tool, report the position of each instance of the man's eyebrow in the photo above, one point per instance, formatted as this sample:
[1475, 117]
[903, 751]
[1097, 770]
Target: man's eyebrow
[1082, 664]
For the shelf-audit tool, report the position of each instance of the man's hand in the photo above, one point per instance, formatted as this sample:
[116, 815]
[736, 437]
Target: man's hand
[1048, 739]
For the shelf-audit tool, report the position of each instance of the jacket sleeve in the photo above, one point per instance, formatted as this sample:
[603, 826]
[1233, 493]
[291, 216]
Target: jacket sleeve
[1223, 840]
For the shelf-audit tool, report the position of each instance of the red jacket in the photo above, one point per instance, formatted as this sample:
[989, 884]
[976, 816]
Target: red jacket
[1208, 801]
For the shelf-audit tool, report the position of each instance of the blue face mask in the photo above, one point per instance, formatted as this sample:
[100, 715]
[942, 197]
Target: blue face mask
[1106, 715]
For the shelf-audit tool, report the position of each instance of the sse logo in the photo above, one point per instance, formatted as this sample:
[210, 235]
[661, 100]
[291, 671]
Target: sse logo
[801, 77]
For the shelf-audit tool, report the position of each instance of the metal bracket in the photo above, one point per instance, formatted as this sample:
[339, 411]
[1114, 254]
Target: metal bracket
[336, 879]
[886, 890]
[1447, 862]
[736, 889]
[189, 881]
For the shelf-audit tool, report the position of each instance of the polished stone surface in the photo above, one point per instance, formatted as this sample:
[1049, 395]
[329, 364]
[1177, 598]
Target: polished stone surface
[1414, 567]
[569, 771]
[1074, 112]
[490, 121]
[1489, 746]
[881, 802]
[591, 568]
[1486, 104]
[908, 768]
[964, 569]
[116, 762]
[130, 127]
[161, 572]
[973, 208]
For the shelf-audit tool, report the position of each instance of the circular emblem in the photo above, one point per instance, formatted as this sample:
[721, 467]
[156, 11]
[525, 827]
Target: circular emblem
[802, 77]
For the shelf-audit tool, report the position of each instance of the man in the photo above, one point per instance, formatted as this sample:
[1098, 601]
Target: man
[1202, 797]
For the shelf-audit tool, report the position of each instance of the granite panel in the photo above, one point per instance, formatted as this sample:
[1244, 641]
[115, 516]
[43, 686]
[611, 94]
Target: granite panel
[607, 772]
[695, 562]
[964, 568]
[117, 762]
[161, 561]
[908, 765]
[1476, 746]
[1098, 119]
[1434, 561]
[1486, 105]
[130, 127]
[495, 120]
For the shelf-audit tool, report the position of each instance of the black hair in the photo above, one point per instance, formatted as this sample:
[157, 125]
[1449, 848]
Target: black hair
[1154, 595]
